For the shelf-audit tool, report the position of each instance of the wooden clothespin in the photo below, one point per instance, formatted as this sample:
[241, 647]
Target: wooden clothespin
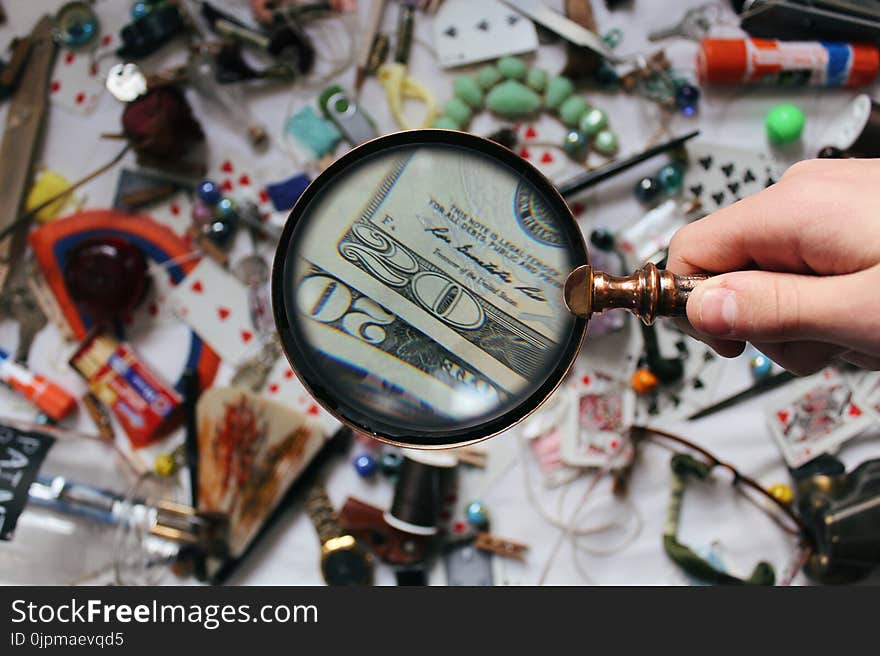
[501, 546]
[475, 457]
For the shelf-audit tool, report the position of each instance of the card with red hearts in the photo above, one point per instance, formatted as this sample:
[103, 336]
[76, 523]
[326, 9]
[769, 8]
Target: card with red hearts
[605, 408]
[536, 146]
[868, 392]
[79, 75]
[283, 386]
[214, 304]
[176, 212]
[76, 84]
[817, 417]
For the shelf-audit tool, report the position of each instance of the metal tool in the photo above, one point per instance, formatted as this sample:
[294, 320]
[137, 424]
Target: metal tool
[694, 25]
[564, 27]
[368, 45]
[24, 122]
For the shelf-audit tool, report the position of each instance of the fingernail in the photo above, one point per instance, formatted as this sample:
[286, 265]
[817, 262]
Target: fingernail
[718, 312]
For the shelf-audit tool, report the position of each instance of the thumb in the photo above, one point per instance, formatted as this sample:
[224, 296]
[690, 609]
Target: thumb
[780, 307]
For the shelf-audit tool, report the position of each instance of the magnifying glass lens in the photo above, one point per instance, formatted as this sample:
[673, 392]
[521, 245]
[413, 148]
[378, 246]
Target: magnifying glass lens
[418, 288]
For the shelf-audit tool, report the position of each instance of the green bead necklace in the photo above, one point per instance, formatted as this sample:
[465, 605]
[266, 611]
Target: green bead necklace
[513, 91]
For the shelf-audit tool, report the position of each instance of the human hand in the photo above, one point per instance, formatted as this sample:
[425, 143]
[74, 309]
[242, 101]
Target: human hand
[804, 257]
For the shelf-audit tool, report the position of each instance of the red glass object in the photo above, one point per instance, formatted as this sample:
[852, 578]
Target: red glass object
[107, 277]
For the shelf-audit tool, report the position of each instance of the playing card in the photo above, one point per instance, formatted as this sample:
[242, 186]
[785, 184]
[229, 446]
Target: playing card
[818, 416]
[534, 147]
[215, 305]
[868, 393]
[719, 176]
[604, 407]
[466, 32]
[76, 84]
[699, 383]
[284, 387]
[176, 212]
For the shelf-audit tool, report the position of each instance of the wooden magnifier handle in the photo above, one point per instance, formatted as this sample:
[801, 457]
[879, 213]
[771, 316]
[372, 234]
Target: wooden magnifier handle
[648, 293]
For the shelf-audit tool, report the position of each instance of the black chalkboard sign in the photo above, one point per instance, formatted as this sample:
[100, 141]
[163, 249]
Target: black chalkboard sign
[21, 455]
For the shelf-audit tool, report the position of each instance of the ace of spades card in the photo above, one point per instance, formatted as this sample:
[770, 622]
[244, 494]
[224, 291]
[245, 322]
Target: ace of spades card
[719, 176]
[467, 32]
[817, 417]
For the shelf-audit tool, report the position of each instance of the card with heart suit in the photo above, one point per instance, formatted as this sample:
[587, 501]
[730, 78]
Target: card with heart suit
[76, 84]
[868, 392]
[817, 417]
[79, 75]
[467, 32]
[215, 305]
[721, 175]
[604, 407]
[283, 386]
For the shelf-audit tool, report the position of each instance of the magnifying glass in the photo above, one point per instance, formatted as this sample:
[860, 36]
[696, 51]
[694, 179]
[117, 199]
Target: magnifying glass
[431, 289]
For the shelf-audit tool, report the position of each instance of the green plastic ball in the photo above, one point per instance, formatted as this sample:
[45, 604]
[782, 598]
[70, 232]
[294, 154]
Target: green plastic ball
[785, 123]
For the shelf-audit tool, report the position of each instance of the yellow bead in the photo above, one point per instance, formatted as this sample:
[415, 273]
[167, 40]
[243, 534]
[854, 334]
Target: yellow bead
[643, 381]
[48, 185]
[165, 465]
[781, 493]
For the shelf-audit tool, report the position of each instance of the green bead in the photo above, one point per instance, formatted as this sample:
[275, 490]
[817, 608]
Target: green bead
[513, 68]
[458, 111]
[671, 178]
[445, 123]
[467, 89]
[571, 110]
[488, 77]
[558, 90]
[593, 121]
[512, 99]
[536, 78]
[576, 145]
[785, 123]
[605, 143]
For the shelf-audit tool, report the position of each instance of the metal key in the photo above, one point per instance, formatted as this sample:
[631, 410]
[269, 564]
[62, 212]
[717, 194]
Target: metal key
[694, 25]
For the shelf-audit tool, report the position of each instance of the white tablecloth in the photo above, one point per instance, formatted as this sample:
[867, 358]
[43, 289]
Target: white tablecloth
[288, 554]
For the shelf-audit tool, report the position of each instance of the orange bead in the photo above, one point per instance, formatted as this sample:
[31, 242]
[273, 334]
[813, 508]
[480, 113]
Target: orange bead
[643, 381]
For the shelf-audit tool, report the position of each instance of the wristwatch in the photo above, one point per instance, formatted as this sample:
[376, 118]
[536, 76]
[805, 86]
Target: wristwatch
[343, 560]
